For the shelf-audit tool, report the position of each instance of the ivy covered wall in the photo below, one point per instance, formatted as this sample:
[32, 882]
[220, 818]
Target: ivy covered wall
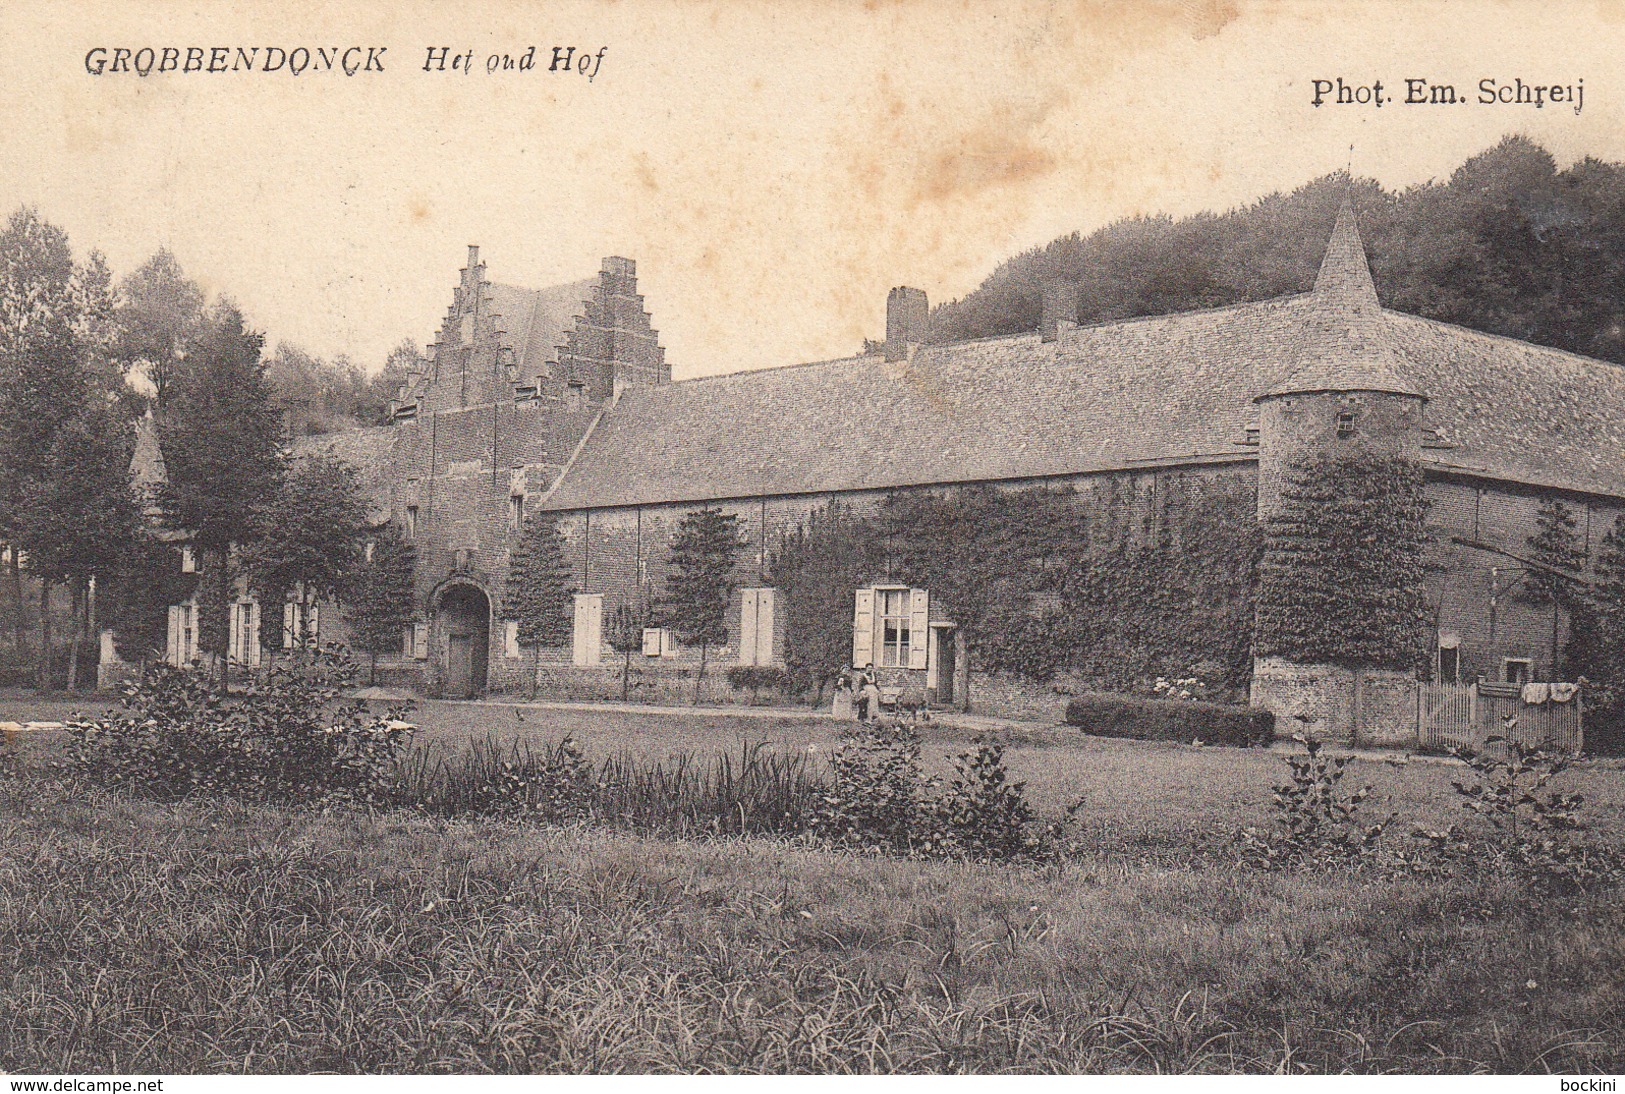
[1109, 581]
[1342, 579]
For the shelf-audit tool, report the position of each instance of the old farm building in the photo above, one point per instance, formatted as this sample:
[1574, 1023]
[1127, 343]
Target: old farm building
[559, 401]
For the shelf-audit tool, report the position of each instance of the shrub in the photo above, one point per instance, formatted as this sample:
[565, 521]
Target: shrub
[753, 678]
[878, 792]
[983, 813]
[1170, 720]
[1529, 831]
[287, 737]
[1314, 821]
[879, 798]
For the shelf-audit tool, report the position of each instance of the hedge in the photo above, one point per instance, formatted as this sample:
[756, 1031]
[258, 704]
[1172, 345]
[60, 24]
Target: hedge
[1170, 720]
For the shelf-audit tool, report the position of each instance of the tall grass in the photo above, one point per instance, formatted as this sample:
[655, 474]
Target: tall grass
[214, 936]
[753, 791]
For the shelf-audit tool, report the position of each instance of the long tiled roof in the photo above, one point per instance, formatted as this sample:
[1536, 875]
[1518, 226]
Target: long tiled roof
[1169, 389]
[368, 451]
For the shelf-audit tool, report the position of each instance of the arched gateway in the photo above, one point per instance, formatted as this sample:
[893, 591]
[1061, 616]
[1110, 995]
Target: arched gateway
[462, 621]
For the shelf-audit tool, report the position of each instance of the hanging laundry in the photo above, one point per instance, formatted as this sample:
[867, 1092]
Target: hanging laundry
[1564, 693]
[1536, 694]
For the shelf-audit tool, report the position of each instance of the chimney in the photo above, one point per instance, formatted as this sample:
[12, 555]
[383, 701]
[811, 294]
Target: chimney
[907, 316]
[1060, 309]
[473, 256]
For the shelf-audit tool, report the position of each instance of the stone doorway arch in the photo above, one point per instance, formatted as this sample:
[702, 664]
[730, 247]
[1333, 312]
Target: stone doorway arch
[462, 620]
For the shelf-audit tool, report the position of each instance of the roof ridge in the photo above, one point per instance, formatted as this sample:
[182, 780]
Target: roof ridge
[1581, 358]
[1011, 337]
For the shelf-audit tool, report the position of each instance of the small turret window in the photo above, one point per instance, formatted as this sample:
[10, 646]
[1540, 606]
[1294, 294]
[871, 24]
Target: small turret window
[1345, 423]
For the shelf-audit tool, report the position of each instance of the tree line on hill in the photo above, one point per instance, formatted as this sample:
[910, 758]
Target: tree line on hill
[1508, 244]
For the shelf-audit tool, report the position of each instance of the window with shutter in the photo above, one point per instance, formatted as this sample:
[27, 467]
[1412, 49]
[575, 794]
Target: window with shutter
[172, 639]
[420, 641]
[892, 622]
[764, 626]
[863, 629]
[919, 626]
[654, 641]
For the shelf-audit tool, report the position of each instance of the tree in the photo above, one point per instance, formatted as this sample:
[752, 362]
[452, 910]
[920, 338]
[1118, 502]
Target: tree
[134, 598]
[1596, 648]
[222, 453]
[624, 631]
[372, 406]
[82, 518]
[316, 395]
[699, 581]
[37, 354]
[539, 590]
[1555, 542]
[816, 567]
[308, 535]
[160, 314]
[380, 600]
[64, 423]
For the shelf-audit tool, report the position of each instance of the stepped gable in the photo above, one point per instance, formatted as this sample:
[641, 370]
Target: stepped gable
[1345, 344]
[535, 324]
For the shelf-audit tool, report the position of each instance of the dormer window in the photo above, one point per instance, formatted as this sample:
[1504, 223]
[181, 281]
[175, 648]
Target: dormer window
[1345, 423]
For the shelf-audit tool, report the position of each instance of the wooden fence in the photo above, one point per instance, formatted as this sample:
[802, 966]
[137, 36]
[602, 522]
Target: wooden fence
[1466, 715]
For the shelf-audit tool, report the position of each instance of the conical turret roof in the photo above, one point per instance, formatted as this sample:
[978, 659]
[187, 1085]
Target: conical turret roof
[1345, 344]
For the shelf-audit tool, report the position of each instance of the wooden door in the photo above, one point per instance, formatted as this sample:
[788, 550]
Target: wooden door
[460, 665]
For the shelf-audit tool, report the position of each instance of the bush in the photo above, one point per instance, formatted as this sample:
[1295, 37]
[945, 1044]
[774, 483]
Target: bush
[878, 795]
[1314, 822]
[1170, 720]
[753, 678]
[287, 737]
[1530, 825]
[983, 813]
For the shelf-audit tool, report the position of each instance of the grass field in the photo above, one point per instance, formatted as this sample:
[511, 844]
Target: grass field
[212, 936]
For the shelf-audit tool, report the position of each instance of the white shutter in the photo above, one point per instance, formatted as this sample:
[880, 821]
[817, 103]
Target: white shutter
[172, 644]
[254, 634]
[919, 625]
[314, 632]
[290, 625]
[653, 644]
[510, 638]
[420, 641]
[409, 640]
[234, 648]
[863, 629]
[764, 626]
[588, 637]
[747, 626]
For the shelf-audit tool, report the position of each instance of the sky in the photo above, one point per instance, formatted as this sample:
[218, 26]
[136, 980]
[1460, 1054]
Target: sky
[773, 167]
